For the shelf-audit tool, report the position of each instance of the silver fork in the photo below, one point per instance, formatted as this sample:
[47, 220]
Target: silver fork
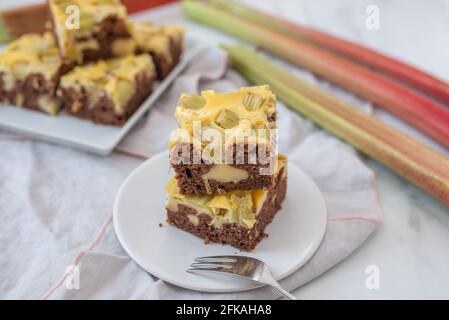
[240, 266]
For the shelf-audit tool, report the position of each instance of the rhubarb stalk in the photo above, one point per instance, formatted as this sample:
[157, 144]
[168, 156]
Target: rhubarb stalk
[405, 103]
[411, 159]
[392, 67]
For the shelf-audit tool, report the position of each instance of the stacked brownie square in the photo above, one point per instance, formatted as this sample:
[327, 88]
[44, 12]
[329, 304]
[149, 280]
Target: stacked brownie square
[229, 182]
[109, 91]
[96, 63]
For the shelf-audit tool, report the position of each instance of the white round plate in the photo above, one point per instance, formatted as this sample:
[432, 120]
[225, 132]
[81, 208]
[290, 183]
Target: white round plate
[166, 252]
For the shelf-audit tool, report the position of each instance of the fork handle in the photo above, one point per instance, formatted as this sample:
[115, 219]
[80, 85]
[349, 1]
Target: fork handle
[281, 290]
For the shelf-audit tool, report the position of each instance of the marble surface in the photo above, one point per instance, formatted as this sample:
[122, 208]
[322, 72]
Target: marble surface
[411, 248]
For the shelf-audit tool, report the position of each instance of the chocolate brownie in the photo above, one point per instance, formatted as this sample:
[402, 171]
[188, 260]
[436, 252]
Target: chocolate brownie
[30, 70]
[108, 92]
[228, 161]
[225, 218]
[164, 43]
[90, 30]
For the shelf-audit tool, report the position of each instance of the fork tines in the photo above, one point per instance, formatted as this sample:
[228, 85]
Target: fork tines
[213, 263]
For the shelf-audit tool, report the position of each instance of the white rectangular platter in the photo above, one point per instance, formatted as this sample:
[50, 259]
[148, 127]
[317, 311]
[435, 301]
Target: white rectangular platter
[82, 134]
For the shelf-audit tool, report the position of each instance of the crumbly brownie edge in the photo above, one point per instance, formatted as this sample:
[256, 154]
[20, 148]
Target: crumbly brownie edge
[103, 111]
[7, 96]
[233, 234]
[33, 87]
[162, 64]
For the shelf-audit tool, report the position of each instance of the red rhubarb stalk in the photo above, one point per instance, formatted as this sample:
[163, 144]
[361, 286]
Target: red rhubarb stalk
[419, 79]
[134, 6]
[418, 110]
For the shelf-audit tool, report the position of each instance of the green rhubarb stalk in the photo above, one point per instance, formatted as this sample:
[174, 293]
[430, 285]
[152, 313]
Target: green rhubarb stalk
[4, 34]
[402, 71]
[414, 161]
[418, 110]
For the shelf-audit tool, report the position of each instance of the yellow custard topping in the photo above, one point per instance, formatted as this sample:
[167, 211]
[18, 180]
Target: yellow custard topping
[114, 78]
[241, 207]
[250, 108]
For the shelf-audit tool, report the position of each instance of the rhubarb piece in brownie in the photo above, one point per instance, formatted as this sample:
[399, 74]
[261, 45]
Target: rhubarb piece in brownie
[90, 30]
[237, 218]
[110, 91]
[164, 43]
[225, 141]
[30, 69]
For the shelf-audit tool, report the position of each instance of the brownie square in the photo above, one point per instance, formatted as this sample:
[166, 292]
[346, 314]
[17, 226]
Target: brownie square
[109, 91]
[30, 69]
[238, 218]
[251, 108]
